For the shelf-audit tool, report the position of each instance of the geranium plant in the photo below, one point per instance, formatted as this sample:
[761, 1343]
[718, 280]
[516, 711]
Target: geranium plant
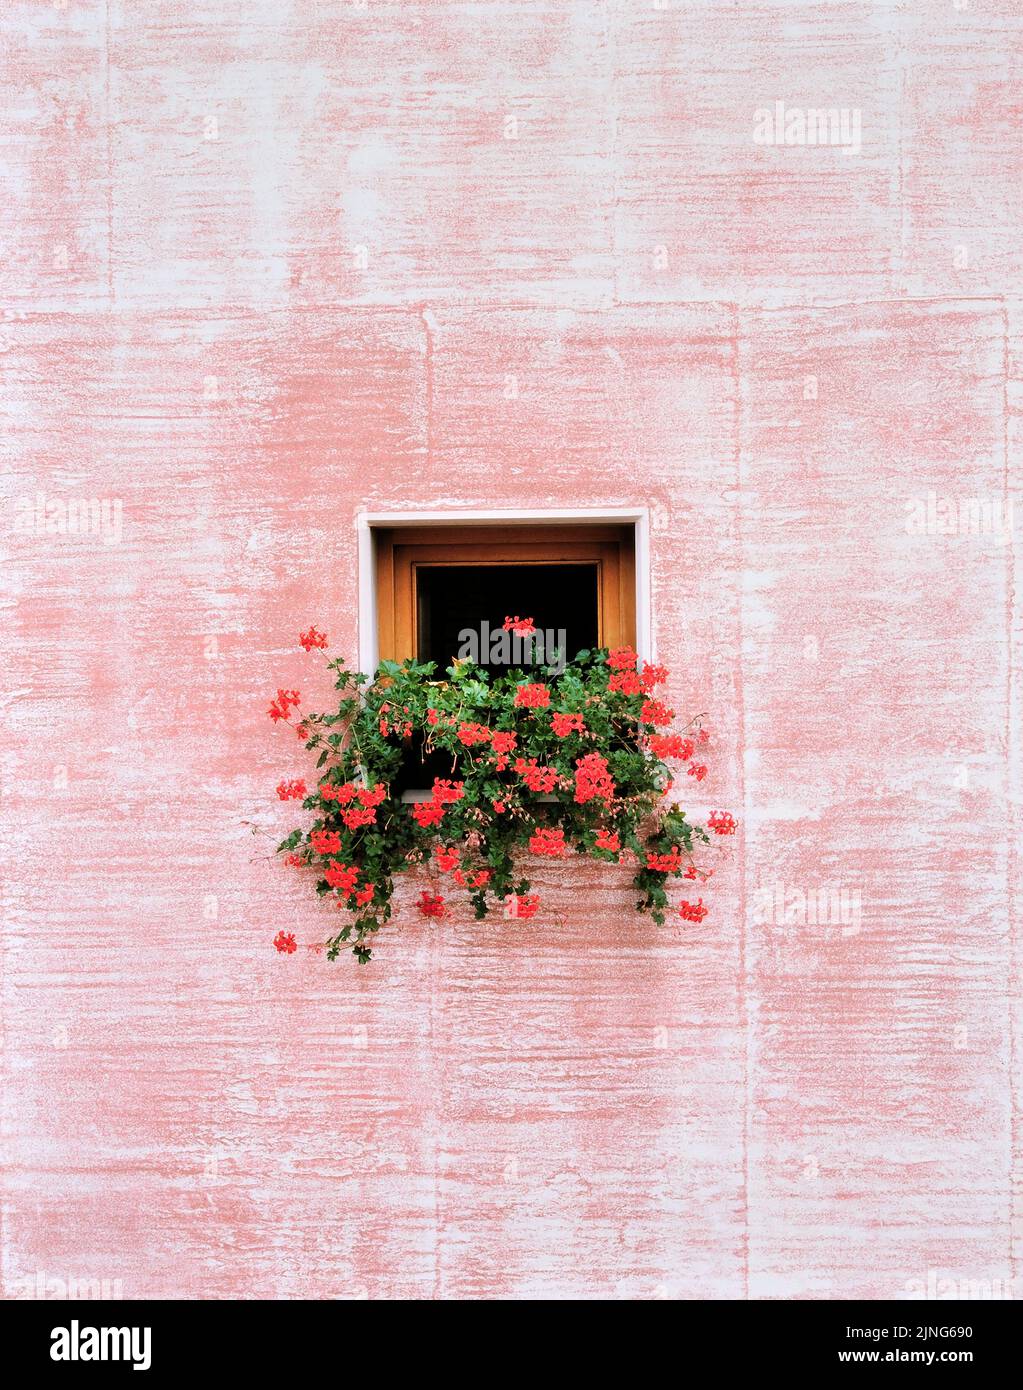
[536, 763]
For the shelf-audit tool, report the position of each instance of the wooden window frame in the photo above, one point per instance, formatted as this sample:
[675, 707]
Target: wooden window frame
[402, 551]
[617, 539]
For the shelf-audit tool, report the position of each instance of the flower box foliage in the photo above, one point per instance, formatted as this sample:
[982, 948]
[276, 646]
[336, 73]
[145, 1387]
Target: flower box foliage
[541, 763]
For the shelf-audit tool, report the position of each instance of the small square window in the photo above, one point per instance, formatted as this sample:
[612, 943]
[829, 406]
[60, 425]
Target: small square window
[437, 587]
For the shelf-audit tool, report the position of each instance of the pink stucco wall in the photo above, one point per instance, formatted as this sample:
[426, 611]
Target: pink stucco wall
[267, 264]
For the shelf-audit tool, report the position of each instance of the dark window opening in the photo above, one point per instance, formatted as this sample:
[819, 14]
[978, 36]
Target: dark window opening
[466, 605]
[419, 768]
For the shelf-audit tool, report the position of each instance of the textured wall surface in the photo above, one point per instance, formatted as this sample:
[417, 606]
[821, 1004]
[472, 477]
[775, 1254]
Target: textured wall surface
[267, 264]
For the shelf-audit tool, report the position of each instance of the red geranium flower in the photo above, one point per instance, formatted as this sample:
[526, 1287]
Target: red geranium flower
[342, 877]
[548, 841]
[565, 724]
[285, 942]
[291, 791]
[622, 659]
[592, 779]
[470, 734]
[523, 626]
[431, 904]
[311, 639]
[670, 746]
[628, 682]
[653, 712]
[280, 706]
[446, 792]
[693, 912]
[537, 779]
[533, 696]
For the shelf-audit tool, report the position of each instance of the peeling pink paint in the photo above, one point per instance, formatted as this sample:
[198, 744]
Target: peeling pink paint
[268, 266]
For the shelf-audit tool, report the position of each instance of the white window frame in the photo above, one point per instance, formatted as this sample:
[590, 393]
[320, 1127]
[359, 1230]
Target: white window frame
[367, 522]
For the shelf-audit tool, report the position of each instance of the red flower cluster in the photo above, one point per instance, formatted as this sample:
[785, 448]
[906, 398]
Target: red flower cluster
[692, 912]
[503, 743]
[565, 724]
[348, 792]
[653, 712]
[722, 822]
[523, 626]
[470, 734]
[537, 779]
[532, 697]
[431, 904]
[303, 731]
[607, 839]
[325, 841]
[291, 791]
[468, 879]
[670, 746]
[592, 779]
[622, 659]
[447, 859]
[343, 877]
[359, 803]
[312, 639]
[294, 861]
[432, 717]
[548, 841]
[285, 699]
[623, 662]
[668, 863]
[627, 682]
[445, 793]
[521, 904]
[285, 942]
[697, 770]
